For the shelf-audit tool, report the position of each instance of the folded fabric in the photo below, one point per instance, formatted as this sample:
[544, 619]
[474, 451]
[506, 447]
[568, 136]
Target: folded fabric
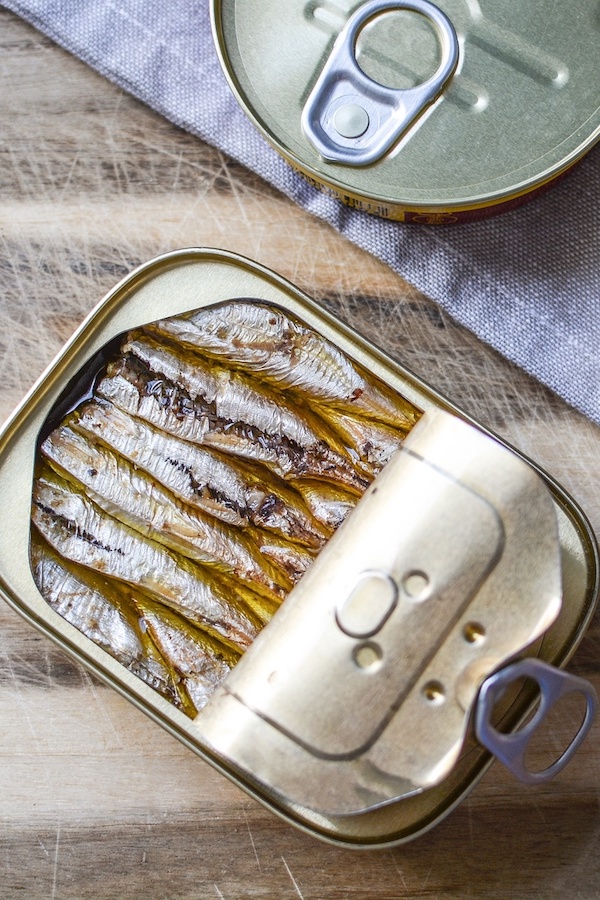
[527, 282]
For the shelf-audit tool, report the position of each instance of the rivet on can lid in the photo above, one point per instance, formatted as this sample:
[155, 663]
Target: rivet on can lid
[351, 120]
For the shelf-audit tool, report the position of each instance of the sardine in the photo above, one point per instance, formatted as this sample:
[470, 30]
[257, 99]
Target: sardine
[97, 610]
[81, 532]
[292, 558]
[153, 383]
[202, 663]
[264, 340]
[370, 442]
[233, 492]
[235, 397]
[130, 495]
[328, 503]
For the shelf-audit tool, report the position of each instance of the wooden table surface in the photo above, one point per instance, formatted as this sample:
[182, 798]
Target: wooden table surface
[95, 800]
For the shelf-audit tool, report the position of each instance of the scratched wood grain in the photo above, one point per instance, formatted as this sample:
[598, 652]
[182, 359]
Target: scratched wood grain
[95, 800]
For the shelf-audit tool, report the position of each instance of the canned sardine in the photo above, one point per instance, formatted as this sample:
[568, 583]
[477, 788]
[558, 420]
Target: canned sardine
[415, 111]
[290, 552]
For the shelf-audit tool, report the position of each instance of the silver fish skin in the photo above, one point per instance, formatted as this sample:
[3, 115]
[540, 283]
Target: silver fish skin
[263, 339]
[89, 609]
[371, 443]
[201, 477]
[293, 559]
[201, 666]
[327, 503]
[234, 398]
[193, 473]
[82, 533]
[276, 511]
[130, 495]
[84, 607]
[240, 420]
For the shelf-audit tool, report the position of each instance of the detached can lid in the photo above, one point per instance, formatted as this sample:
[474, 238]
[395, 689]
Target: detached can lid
[415, 110]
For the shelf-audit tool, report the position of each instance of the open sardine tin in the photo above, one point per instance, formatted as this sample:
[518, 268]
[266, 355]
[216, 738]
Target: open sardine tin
[399, 649]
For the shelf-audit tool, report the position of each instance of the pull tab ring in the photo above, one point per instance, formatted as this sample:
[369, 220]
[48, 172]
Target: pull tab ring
[353, 120]
[510, 749]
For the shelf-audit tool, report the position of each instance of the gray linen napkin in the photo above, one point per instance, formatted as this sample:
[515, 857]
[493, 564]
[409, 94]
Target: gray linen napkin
[527, 282]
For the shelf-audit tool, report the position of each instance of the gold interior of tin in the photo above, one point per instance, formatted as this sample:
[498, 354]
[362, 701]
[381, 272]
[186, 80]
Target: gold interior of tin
[167, 286]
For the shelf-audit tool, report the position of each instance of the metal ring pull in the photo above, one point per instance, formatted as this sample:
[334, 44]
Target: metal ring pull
[510, 749]
[351, 119]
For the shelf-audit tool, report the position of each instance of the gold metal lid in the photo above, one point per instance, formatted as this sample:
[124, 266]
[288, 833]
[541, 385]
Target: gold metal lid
[520, 107]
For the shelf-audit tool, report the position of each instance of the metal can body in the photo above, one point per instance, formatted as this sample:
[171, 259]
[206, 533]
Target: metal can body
[517, 111]
[169, 286]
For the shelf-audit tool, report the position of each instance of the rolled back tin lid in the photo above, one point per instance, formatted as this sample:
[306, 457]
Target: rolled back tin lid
[410, 109]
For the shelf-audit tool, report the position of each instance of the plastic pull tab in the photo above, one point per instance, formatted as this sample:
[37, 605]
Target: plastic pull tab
[351, 119]
[510, 749]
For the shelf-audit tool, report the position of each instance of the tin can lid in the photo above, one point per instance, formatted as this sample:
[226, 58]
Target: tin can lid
[518, 107]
